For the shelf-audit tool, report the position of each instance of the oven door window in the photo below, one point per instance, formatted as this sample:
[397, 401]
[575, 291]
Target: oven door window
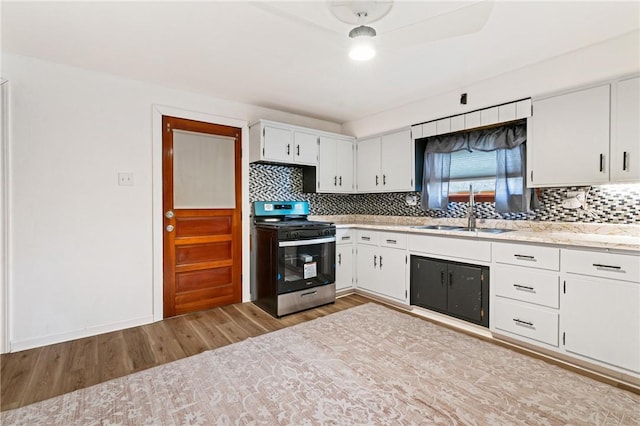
[306, 263]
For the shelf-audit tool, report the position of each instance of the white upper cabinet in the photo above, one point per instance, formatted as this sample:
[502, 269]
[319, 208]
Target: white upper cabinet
[335, 165]
[397, 161]
[586, 137]
[277, 143]
[368, 165]
[386, 163]
[568, 139]
[305, 148]
[274, 142]
[625, 132]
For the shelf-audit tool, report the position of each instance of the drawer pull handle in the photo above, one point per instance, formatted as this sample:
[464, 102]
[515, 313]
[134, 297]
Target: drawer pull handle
[601, 266]
[365, 238]
[524, 257]
[523, 287]
[311, 293]
[346, 238]
[524, 323]
[392, 242]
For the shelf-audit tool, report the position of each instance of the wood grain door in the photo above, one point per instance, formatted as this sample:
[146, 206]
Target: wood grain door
[202, 212]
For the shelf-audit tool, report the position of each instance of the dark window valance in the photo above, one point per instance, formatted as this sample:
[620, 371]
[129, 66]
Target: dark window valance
[503, 137]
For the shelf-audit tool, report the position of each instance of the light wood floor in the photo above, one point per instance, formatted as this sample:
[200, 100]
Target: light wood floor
[37, 374]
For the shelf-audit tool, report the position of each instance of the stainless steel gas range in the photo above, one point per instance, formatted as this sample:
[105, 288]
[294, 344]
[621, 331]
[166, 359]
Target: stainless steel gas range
[292, 258]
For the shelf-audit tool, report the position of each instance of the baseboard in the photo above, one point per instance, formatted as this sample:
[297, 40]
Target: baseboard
[20, 345]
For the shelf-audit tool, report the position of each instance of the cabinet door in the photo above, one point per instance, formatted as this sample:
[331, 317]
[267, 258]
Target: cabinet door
[464, 298]
[344, 165]
[278, 144]
[429, 284]
[397, 161]
[327, 174]
[368, 165]
[392, 267]
[344, 266]
[600, 319]
[305, 148]
[568, 140]
[367, 260]
[625, 146]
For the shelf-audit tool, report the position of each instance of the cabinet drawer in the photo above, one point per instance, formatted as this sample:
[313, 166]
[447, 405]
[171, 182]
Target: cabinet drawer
[392, 239]
[624, 267]
[345, 235]
[368, 237]
[526, 321]
[530, 256]
[450, 247]
[527, 285]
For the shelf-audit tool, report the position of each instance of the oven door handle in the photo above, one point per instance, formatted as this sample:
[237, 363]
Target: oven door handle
[306, 242]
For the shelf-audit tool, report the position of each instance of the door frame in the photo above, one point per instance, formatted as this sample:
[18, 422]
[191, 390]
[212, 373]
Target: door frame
[157, 211]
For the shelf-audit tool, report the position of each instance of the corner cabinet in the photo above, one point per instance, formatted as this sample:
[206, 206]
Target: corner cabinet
[585, 137]
[273, 142]
[385, 163]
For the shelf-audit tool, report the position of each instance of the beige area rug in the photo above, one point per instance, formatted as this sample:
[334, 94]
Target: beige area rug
[366, 365]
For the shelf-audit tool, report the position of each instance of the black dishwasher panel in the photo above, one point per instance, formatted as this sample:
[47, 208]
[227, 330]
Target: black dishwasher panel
[457, 289]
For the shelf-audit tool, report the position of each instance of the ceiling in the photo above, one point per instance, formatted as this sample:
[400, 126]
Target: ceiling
[292, 55]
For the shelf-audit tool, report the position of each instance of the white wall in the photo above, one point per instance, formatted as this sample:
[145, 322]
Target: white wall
[609, 59]
[81, 247]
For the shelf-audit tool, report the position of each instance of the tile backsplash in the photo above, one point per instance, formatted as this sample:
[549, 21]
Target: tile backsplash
[605, 204]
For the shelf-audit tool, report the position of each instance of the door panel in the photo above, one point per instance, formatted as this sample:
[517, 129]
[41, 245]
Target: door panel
[202, 205]
[431, 284]
[202, 226]
[465, 292]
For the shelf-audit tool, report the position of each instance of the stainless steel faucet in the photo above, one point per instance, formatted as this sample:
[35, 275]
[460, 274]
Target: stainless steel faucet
[471, 210]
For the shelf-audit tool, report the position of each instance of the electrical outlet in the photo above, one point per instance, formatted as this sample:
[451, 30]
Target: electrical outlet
[411, 199]
[125, 179]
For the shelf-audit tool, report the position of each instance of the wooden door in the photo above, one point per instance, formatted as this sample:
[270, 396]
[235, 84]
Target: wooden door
[202, 213]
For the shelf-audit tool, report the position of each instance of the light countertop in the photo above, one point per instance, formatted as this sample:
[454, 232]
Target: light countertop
[601, 236]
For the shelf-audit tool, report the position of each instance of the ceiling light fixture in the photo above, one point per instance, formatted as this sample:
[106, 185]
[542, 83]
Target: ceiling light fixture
[362, 48]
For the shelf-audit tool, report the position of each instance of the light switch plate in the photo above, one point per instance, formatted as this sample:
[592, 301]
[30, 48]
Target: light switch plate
[125, 179]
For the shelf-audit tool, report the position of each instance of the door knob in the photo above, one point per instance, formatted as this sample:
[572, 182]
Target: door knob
[170, 228]
[169, 214]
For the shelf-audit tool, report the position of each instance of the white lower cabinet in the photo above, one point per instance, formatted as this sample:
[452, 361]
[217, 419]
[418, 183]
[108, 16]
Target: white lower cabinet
[581, 303]
[600, 320]
[525, 283]
[381, 264]
[600, 316]
[344, 259]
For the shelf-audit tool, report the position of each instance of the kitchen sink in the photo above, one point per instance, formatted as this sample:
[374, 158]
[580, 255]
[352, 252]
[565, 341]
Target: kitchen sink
[463, 229]
[486, 230]
[438, 227]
